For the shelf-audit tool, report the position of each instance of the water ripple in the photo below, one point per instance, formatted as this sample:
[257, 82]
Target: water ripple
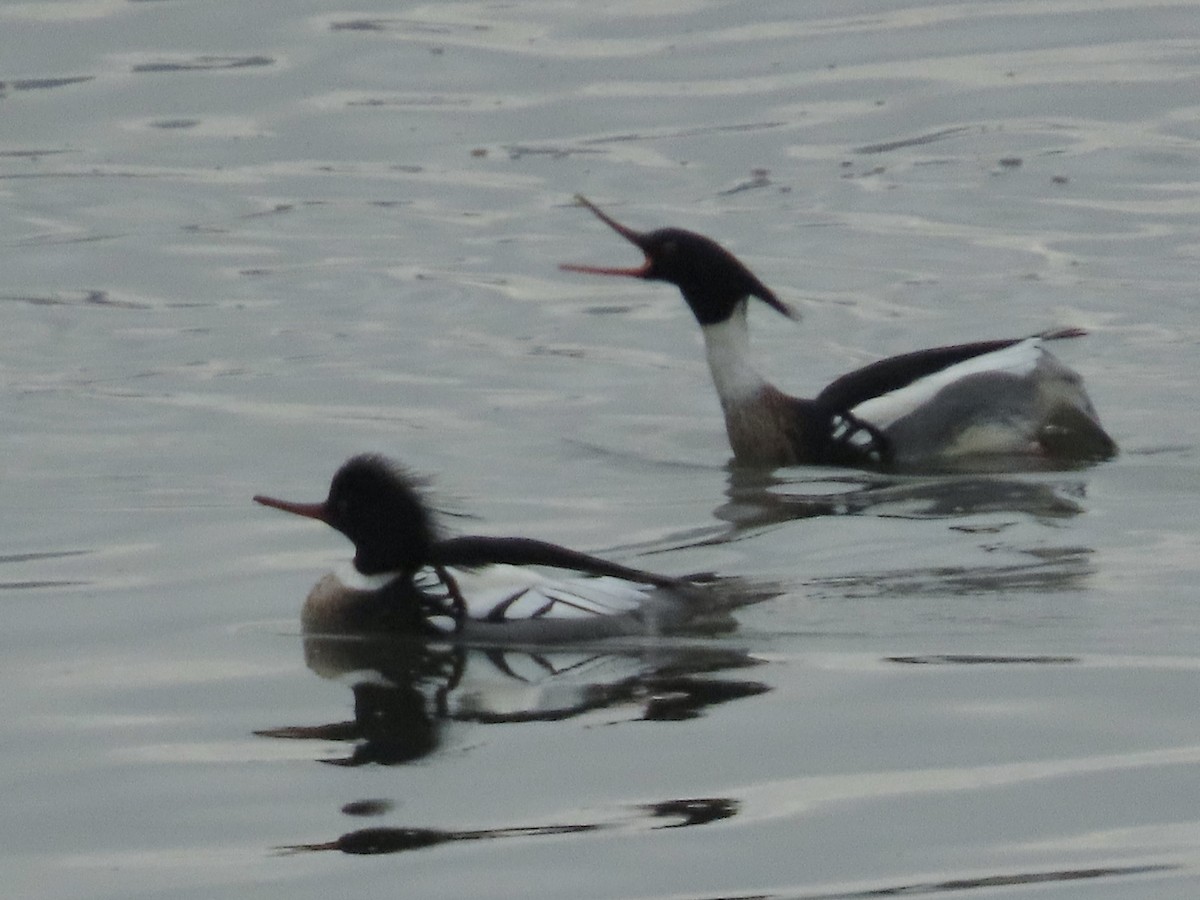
[203, 63]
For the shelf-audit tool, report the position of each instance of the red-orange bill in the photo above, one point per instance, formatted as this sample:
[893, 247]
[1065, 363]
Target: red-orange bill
[628, 233]
[308, 510]
[636, 272]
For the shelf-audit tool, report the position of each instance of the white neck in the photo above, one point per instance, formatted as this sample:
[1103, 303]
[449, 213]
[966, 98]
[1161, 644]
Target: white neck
[728, 347]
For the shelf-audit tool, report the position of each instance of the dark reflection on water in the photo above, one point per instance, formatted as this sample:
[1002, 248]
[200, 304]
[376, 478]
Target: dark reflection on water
[367, 807]
[201, 63]
[920, 140]
[21, 584]
[757, 498]
[1048, 569]
[652, 816]
[404, 689]
[958, 659]
[916, 889]
[424, 27]
[25, 585]
[950, 885]
[39, 556]
[391, 726]
[80, 298]
[41, 84]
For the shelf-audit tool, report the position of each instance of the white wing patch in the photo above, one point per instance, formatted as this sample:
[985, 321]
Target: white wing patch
[503, 593]
[1021, 359]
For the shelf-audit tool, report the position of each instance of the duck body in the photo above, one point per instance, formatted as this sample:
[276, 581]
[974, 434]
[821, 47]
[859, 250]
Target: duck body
[501, 604]
[990, 402]
[409, 580]
[1011, 400]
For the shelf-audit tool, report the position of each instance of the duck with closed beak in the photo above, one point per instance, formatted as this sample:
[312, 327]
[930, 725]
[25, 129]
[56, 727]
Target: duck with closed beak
[417, 582]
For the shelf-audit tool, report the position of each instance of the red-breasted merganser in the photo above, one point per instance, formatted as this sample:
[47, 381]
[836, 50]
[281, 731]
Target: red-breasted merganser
[1003, 401]
[418, 582]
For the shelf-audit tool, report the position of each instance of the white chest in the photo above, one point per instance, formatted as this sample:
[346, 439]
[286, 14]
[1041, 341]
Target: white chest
[727, 345]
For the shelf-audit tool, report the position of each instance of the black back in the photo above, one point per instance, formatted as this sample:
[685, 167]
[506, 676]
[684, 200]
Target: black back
[896, 372]
[471, 551]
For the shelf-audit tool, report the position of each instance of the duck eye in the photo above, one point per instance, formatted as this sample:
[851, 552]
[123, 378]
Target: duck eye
[670, 248]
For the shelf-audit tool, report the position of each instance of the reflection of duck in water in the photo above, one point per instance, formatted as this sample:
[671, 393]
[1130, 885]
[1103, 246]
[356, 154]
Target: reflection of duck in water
[683, 813]
[756, 497]
[1005, 403]
[406, 690]
[479, 588]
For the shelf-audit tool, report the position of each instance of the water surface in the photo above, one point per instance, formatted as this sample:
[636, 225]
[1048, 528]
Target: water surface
[238, 249]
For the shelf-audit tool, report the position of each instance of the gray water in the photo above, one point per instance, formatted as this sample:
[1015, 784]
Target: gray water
[241, 242]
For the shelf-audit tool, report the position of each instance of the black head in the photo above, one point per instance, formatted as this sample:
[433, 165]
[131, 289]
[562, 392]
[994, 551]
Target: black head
[379, 507]
[712, 280]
